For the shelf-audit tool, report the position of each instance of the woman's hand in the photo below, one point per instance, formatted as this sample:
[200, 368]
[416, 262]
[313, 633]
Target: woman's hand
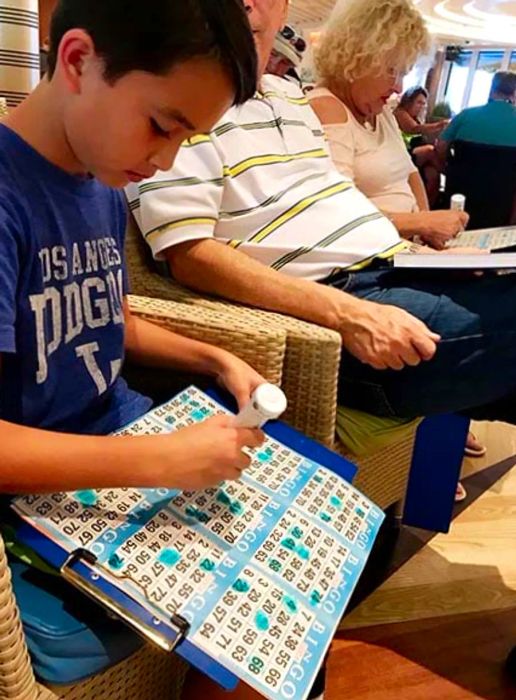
[238, 378]
[437, 228]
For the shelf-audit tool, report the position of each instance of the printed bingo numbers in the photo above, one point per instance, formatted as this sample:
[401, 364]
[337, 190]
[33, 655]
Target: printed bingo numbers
[262, 569]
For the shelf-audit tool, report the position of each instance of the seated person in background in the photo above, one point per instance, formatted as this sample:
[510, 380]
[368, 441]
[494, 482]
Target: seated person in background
[256, 212]
[359, 70]
[493, 124]
[287, 54]
[410, 115]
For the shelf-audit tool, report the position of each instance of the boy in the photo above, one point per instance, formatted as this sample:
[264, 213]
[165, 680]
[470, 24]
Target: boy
[121, 94]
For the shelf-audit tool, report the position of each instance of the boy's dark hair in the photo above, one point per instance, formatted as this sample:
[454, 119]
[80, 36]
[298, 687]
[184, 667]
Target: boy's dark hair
[155, 35]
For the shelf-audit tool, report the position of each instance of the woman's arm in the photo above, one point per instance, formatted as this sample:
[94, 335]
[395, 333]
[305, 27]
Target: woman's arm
[331, 112]
[418, 188]
[409, 125]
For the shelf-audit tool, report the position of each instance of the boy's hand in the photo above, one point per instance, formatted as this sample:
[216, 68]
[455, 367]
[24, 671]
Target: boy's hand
[238, 378]
[208, 453]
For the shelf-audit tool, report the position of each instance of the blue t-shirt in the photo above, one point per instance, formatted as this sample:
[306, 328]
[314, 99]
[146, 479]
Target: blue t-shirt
[493, 124]
[62, 284]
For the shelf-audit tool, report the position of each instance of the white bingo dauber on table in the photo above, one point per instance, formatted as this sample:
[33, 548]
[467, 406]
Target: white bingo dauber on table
[247, 580]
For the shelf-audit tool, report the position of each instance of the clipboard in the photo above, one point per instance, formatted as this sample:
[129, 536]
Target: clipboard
[82, 569]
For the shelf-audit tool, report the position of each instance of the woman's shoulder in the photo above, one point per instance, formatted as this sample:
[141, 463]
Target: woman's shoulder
[390, 118]
[328, 107]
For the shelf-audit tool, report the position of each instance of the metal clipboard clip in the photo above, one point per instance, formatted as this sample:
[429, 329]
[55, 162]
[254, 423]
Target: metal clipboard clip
[178, 624]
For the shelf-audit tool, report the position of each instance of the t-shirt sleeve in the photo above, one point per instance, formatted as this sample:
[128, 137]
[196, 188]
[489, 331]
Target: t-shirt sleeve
[120, 209]
[342, 148]
[184, 203]
[451, 131]
[9, 277]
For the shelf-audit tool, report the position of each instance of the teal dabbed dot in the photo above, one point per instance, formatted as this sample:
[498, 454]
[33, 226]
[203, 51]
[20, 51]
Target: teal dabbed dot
[360, 513]
[191, 511]
[315, 598]
[297, 533]
[207, 565]
[289, 544]
[262, 621]
[236, 508]
[318, 479]
[169, 557]
[325, 517]
[336, 502]
[198, 415]
[303, 553]
[116, 562]
[170, 420]
[290, 604]
[87, 498]
[223, 498]
[263, 456]
[241, 586]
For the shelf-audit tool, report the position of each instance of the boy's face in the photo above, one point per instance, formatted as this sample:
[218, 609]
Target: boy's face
[127, 131]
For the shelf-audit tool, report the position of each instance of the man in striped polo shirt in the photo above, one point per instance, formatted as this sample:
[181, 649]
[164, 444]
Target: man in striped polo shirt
[256, 212]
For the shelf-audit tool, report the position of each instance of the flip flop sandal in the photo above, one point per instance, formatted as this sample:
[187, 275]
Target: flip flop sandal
[460, 493]
[478, 451]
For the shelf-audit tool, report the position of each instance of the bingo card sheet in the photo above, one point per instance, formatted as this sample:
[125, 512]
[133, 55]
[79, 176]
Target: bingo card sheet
[262, 569]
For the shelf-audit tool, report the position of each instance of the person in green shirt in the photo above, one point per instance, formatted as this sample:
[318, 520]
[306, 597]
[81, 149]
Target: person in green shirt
[493, 124]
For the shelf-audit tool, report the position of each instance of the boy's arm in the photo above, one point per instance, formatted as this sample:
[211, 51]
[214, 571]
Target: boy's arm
[42, 461]
[150, 345]
[380, 335]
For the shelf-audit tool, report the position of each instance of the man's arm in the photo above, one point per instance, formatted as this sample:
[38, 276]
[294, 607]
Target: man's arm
[380, 335]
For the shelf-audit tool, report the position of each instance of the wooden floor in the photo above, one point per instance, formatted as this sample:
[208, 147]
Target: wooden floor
[441, 625]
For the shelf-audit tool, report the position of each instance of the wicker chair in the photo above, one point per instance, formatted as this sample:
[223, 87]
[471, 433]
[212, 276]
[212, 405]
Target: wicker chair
[309, 375]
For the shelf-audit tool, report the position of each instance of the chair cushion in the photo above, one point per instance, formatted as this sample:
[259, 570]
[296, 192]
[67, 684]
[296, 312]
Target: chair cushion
[69, 637]
[363, 434]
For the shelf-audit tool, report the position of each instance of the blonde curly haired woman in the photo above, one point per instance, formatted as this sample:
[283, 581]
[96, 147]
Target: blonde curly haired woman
[365, 51]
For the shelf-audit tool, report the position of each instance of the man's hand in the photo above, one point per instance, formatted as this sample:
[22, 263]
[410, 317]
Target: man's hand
[436, 228]
[387, 337]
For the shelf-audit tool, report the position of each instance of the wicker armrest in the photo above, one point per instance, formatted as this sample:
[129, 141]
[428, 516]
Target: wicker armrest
[311, 359]
[312, 355]
[16, 676]
[260, 345]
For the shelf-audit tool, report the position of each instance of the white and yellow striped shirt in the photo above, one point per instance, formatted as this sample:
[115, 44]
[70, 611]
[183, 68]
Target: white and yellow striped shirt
[263, 182]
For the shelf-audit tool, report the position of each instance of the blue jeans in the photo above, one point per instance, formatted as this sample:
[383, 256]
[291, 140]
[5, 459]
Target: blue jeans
[474, 369]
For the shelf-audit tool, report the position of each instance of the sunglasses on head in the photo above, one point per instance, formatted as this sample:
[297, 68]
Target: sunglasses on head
[290, 35]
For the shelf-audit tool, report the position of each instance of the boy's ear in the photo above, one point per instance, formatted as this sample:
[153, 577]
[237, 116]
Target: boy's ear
[75, 56]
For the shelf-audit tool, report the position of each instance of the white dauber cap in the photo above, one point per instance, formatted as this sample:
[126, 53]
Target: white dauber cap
[269, 400]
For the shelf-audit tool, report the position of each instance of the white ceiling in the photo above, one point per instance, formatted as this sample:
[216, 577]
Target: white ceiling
[476, 20]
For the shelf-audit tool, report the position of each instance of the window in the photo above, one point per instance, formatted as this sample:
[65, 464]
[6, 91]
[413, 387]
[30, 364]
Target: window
[488, 63]
[458, 80]
[512, 62]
